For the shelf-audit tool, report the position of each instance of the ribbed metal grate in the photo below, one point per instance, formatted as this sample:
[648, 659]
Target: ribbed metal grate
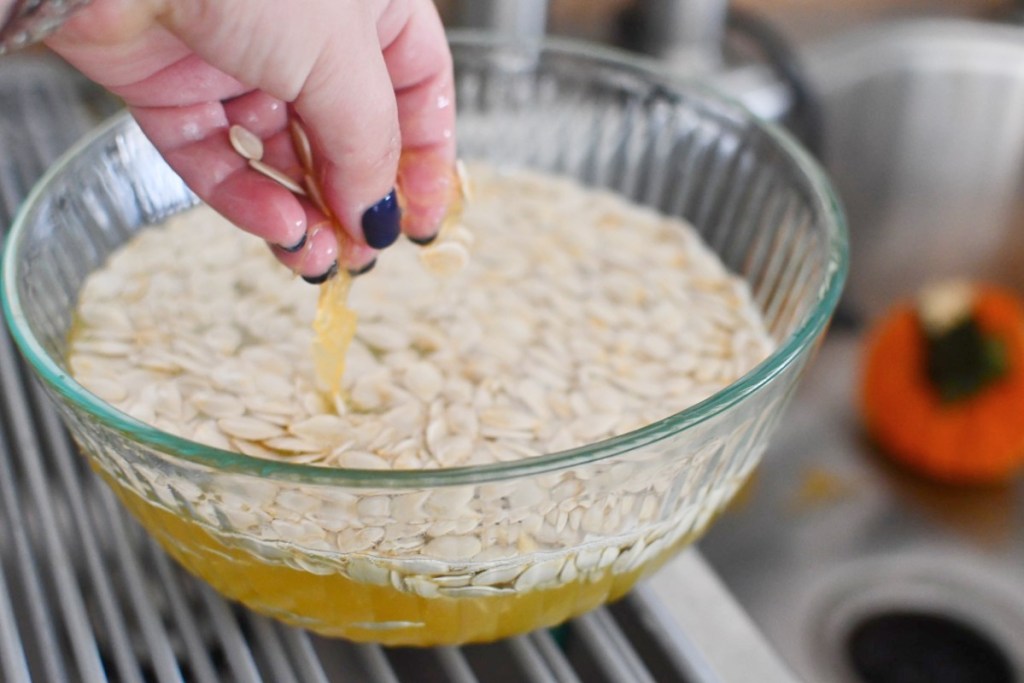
[85, 596]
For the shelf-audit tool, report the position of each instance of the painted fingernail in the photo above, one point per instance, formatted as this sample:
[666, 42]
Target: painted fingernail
[382, 222]
[320, 279]
[423, 241]
[354, 272]
[298, 245]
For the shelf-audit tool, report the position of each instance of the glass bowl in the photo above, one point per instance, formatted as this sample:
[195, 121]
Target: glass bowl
[341, 551]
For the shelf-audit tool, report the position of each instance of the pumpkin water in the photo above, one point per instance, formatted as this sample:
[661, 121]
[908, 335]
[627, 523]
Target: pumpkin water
[335, 605]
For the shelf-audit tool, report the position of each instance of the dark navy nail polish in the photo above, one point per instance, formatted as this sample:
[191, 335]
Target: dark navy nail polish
[298, 245]
[320, 279]
[382, 222]
[354, 272]
[423, 241]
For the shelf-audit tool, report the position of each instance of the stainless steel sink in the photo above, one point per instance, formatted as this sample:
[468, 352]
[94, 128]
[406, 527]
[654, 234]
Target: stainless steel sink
[924, 137]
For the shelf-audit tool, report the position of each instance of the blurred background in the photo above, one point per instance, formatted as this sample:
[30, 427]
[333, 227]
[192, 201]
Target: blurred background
[853, 569]
[598, 19]
[857, 570]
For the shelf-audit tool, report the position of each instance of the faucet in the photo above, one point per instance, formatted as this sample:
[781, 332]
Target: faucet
[520, 20]
[686, 33]
[687, 37]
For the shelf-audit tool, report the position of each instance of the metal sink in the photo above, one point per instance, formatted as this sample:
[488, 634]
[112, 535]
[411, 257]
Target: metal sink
[924, 137]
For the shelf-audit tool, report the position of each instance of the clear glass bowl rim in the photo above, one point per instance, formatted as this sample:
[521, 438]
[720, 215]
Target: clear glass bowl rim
[822, 196]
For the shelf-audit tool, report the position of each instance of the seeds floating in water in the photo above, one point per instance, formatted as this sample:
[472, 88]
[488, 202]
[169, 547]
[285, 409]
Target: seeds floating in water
[577, 317]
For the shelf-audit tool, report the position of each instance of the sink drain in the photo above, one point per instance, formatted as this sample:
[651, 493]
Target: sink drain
[924, 617]
[924, 647]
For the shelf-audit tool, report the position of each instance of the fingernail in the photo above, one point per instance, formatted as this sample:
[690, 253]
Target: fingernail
[298, 245]
[382, 222]
[355, 272]
[320, 279]
[423, 241]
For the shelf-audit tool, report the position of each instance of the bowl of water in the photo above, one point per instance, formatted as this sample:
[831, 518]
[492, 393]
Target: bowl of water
[698, 257]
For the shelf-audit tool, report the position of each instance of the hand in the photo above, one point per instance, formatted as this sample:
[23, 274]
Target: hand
[370, 80]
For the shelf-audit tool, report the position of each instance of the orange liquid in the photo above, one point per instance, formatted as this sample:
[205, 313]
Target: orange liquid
[335, 605]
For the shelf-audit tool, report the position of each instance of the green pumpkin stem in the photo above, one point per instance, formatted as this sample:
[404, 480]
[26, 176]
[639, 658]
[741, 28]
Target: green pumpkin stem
[962, 360]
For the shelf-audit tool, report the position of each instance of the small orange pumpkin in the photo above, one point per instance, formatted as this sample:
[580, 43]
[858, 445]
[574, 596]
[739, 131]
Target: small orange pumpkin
[943, 385]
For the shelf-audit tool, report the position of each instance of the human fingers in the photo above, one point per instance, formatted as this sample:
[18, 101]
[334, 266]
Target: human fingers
[326, 61]
[185, 106]
[420, 65]
[195, 142]
[321, 256]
